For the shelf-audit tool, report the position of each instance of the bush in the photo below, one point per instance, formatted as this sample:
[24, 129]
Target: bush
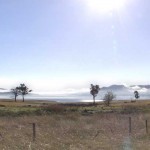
[109, 96]
[54, 108]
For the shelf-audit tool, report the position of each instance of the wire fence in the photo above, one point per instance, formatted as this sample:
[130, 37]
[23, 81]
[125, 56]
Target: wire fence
[69, 131]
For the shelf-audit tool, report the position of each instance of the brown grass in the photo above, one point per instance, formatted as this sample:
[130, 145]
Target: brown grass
[74, 132]
[74, 126]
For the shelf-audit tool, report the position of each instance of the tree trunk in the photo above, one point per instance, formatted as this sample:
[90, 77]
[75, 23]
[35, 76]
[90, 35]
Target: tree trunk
[94, 100]
[23, 97]
[15, 98]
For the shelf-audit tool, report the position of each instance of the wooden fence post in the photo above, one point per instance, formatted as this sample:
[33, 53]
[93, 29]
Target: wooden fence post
[146, 123]
[129, 125]
[34, 132]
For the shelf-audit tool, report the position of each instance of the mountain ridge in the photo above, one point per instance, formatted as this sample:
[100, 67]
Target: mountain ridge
[2, 89]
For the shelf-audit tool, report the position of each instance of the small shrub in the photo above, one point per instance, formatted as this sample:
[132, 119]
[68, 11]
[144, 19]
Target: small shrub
[54, 108]
[109, 96]
[133, 101]
[129, 109]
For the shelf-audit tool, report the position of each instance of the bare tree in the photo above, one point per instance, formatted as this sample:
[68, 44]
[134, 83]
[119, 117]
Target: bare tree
[136, 94]
[108, 97]
[15, 92]
[94, 91]
[23, 89]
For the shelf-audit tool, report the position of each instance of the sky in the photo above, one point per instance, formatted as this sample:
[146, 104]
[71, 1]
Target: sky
[68, 44]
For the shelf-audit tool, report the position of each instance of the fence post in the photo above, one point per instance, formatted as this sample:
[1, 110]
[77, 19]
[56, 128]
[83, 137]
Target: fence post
[146, 123]
[129, 125]
[34, 132]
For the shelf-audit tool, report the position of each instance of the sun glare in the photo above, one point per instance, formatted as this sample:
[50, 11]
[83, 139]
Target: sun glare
[104, 6]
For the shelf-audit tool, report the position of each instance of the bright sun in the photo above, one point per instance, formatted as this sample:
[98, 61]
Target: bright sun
[103, 6]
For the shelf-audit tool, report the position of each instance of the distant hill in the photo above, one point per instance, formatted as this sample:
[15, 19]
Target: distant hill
[2, 89]
[144, 86]
[114, 87]
[128, 88]
[122, 91]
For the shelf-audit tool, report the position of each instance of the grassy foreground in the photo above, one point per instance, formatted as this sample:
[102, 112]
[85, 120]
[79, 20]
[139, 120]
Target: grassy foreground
[74, 126]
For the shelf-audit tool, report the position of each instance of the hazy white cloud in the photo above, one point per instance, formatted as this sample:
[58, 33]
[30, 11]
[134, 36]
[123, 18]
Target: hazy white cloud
[63, 92]
[8, 82]
[139, 89]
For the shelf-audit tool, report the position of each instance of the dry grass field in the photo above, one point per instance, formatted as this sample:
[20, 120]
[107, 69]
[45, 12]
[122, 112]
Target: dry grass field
[74, 126]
